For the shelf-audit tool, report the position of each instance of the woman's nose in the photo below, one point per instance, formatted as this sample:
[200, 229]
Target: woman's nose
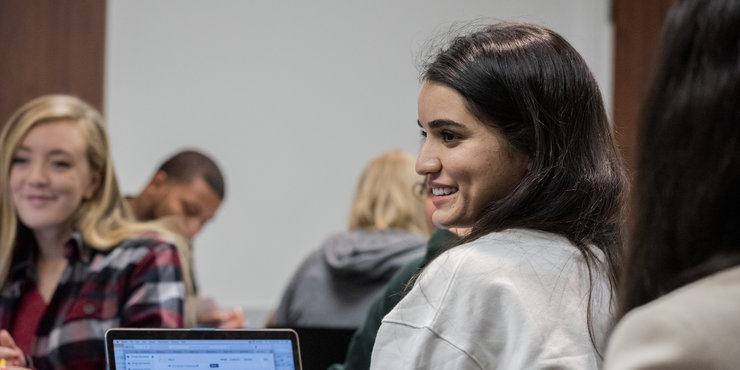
[428, 161]
[38, 175]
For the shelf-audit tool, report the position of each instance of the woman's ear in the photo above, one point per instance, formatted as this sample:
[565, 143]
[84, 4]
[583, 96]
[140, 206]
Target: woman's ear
[93, 185]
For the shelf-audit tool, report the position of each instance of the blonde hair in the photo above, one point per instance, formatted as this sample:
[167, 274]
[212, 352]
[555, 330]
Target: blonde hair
[103, 220]
[385, 196]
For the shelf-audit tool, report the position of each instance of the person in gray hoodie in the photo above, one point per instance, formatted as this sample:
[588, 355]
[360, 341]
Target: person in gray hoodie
[336, 284]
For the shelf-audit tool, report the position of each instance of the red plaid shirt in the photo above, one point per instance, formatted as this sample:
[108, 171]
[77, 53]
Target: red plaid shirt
[136, 284]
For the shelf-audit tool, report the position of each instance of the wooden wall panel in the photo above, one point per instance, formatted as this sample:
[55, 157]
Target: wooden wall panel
[638, 25]
[51, 46]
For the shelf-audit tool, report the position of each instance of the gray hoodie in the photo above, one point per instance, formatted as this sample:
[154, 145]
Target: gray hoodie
[336, 284]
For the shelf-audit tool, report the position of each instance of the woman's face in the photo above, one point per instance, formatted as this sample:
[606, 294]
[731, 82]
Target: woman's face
[50, 176]
[468, 163]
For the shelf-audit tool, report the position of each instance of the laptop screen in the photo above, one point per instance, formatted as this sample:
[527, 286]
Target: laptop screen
[131, 349]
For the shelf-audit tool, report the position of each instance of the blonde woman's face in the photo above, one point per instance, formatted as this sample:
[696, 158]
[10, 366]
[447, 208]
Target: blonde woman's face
[50, 176]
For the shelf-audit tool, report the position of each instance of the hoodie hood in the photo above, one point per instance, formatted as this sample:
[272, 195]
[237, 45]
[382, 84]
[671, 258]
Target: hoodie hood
[366, 256]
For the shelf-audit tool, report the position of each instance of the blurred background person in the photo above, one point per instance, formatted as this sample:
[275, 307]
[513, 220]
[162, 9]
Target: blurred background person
[188, 185]
[72, 262]
[186, 191]
[679, 296]
[336, 284]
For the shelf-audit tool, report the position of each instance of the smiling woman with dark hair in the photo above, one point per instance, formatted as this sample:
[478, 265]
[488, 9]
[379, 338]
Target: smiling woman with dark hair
[517, 146]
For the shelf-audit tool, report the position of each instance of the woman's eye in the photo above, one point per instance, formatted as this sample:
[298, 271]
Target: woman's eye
[18, 160]
[61, 164]
[423, 133]
[448, 136]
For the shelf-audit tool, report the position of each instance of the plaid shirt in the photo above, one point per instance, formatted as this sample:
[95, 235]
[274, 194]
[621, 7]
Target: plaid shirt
[136, 284]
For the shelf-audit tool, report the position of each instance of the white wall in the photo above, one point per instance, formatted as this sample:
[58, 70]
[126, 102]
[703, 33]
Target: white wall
[292, 98]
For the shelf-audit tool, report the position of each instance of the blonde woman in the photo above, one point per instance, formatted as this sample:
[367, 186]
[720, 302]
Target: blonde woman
[336, 284]
[72, 264]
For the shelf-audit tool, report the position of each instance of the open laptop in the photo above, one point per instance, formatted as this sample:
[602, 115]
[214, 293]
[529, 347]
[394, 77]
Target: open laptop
[154, 349]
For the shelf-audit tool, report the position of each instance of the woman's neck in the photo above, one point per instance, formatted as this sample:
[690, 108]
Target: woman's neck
[51, 242]
[51, 261]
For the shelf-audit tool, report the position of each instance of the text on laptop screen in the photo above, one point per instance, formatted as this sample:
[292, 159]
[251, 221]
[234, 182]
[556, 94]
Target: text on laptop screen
[169, 354]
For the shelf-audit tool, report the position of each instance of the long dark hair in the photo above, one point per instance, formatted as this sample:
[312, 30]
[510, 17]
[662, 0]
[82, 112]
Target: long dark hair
[686, 222]
[532, 86]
